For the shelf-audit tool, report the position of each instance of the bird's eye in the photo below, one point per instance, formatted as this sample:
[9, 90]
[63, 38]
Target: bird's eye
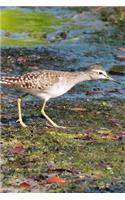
[100, 73]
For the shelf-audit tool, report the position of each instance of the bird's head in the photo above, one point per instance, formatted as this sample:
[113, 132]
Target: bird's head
[97, 72]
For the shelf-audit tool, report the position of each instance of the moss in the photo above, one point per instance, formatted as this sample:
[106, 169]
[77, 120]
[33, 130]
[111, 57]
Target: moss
[53, 150]
[84, 159]
[115, 15]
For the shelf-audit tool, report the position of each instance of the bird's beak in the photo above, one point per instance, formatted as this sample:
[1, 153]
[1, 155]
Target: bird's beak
[111, 79]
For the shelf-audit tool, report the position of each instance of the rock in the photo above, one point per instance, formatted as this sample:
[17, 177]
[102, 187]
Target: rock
[117, 70]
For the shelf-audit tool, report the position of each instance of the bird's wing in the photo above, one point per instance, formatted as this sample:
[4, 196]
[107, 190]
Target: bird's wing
[40, 80]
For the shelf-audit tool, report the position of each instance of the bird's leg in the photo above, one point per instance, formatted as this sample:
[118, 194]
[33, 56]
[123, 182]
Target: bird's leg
[20, 120]
[48, 118]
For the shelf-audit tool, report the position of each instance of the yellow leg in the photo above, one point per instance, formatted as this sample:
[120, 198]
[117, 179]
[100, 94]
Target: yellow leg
[20, 113]
[48, 118]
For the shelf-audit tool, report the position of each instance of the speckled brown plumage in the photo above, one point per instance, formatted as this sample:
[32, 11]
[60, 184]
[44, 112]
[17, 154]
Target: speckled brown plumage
[38, 80]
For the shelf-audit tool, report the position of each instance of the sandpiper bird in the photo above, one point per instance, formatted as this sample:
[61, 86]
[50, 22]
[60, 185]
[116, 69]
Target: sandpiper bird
[48, 84]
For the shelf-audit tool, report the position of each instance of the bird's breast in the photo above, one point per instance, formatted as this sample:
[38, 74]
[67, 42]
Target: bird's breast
[58, 89]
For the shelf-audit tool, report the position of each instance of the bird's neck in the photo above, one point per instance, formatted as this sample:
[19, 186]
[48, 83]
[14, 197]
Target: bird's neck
[82, 76]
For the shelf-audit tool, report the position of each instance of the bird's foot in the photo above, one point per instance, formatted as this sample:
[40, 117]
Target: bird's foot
[61, 127]
[21, 123]
[56, 126]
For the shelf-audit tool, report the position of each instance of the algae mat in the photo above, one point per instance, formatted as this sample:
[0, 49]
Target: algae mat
[84, 158]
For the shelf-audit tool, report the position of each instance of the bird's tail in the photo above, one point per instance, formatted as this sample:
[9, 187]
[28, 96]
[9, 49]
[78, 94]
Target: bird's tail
[9, 80]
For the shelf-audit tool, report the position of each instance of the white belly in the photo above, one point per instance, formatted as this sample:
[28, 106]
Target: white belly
[58, 90]
[52, 92]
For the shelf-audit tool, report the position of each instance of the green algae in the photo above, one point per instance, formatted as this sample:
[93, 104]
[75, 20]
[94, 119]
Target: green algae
[84, 162]
[29, 22]
[22, 42]
[101, 161]
[35, 24]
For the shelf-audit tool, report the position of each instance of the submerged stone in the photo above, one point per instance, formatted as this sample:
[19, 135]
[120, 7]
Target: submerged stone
[117, 70]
